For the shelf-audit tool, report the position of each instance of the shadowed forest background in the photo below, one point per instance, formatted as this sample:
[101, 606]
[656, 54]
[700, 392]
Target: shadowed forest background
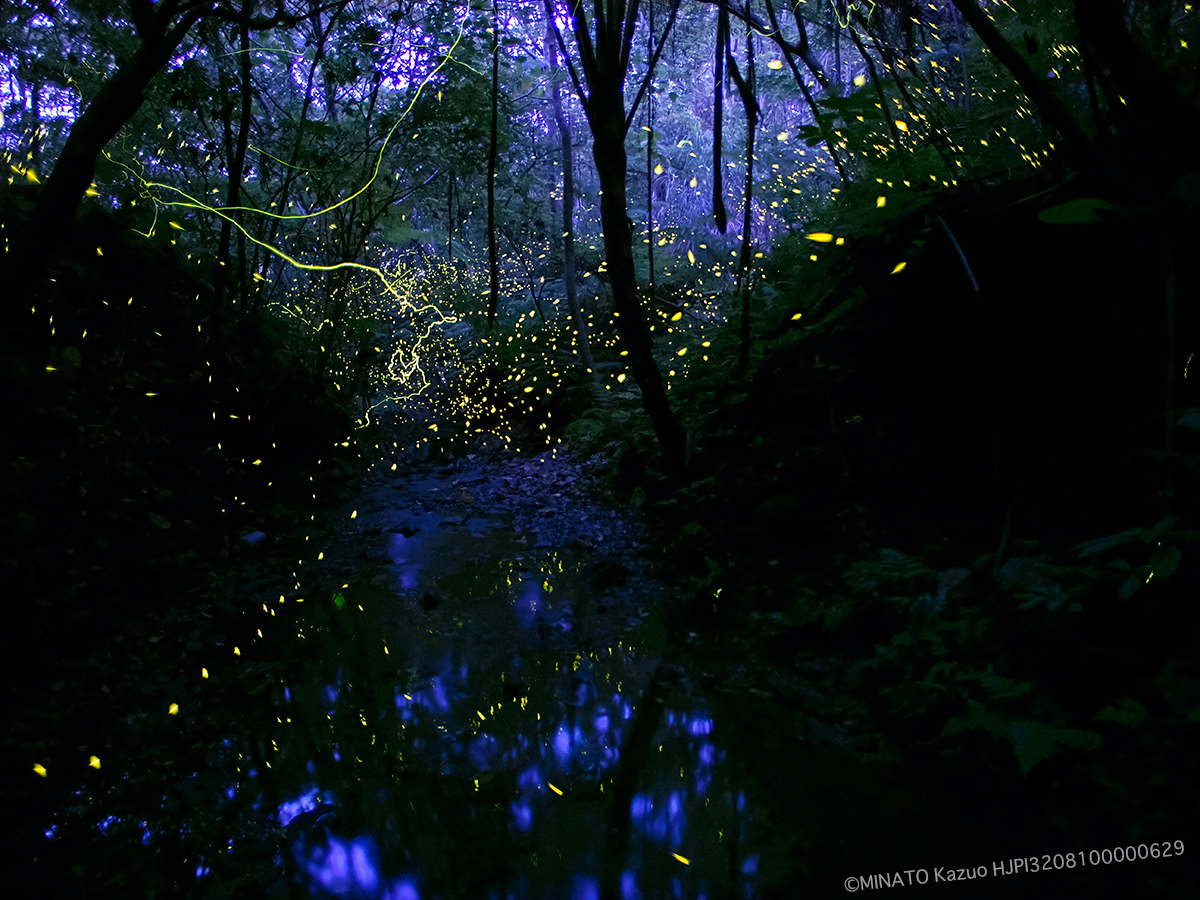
[630, 449]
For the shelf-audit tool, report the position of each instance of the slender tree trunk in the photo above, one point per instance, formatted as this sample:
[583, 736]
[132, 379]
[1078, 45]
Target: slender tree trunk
[231, 191]
[837, 56]
[562, 125]
[1169, 457]
[962, 59]
[243, 144]
[718, 106]
[237, 167]
[337, 283]
[607, 117]
[650, 162]
[450, 218]
[746, 89]
[493, 258]
[35, 127]
[605, 64]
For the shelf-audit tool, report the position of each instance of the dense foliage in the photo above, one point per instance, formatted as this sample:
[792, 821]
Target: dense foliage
[885, 320]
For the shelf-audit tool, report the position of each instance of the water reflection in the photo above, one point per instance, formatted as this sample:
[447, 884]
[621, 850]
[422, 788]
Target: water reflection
[454, 722]
[477, 755]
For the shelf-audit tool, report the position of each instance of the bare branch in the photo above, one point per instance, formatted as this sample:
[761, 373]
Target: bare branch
[650, 69]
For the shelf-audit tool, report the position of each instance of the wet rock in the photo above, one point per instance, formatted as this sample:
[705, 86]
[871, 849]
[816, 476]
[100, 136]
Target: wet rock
[430, 602]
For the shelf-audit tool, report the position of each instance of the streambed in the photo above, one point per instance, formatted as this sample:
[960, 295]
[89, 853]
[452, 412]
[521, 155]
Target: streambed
[487, 639]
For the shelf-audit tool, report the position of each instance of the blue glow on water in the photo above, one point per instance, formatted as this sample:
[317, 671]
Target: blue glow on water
[483, 750]
[629, 887]
[403, 889]
[639, 807]
[562, 746]
[363, 865]
[526, 606]
[331, 866]
[530, 779]
[586, 889]
[522, 814]
[289, 809]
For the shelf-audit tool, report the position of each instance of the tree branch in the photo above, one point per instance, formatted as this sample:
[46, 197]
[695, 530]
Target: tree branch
[650, 69]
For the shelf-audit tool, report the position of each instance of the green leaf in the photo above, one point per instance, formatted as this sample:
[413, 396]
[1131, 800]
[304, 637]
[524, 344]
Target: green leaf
[159, 521]
[1075, 212]
[1127, 712]
[1165, 560]
[1160, 529]
[1035, 741]
[1130, 534]
[1191, 419]
[1129, 588]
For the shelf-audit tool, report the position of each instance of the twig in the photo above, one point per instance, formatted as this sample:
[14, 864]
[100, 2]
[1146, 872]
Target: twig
[961, 255]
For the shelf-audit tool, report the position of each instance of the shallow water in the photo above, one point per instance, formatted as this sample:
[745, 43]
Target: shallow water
[470, 710]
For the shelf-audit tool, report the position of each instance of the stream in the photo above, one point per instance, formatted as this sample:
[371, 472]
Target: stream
[490, 648]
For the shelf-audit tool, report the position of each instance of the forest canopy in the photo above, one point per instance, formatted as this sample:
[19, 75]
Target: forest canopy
[354, 166]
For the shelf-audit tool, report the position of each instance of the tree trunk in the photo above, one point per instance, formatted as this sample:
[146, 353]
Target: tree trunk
[450, 218]
[718, 104]
[650, 160]
[962, 59]
[563, 125]
[236, 155]
[337, 292]
[493, 258]
[240, 162]
[226, 234]
[605, 64]
[746, 89]
[607, 117]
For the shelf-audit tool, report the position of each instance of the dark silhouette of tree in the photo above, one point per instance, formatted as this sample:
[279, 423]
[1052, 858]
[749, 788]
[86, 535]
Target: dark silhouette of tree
[603, 64]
